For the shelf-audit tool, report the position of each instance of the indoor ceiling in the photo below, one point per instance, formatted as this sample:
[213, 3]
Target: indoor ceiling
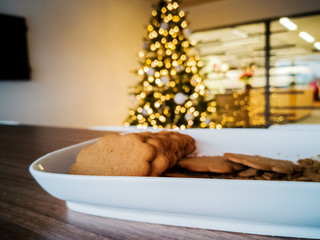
[248, 41]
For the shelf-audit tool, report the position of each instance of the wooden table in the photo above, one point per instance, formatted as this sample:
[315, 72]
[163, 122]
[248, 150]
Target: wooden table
[28, 212]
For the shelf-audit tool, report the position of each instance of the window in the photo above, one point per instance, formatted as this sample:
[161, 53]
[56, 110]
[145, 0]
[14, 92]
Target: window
[262, 73]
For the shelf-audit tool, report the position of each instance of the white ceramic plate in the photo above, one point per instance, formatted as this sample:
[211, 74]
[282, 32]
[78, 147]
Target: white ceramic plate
[301, 127]
[261, 207]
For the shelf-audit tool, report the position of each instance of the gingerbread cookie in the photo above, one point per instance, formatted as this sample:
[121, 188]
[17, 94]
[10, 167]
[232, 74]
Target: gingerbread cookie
[263, 163]
[216, 164]
[116, 155]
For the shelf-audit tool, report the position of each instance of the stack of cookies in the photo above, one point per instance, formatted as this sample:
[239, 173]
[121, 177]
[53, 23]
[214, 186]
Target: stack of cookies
[243, 166]
[133, 154]
[167, 154]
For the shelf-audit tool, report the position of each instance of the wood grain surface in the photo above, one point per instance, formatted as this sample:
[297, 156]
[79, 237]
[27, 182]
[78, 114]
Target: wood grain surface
[28, 212]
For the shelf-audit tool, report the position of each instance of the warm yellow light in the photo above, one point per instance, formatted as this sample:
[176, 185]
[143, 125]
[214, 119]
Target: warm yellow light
[146, 106]
[184, 24]
[185, 44]
[168, 52]
[181, 14]
[162, 118]
[175, 18]
[160, 51]
[173, 72]
[142, 95]
[158, 81]
[154, 63]
[150, 79]
[171, 31]
[183, 57]
[145, 69]
[195, 95]
[172, 84]
[157, 104]
[154, 13]
[202, 119]
[140, 72]
[163, 9]
[154, 34]
[161, 31]
[155, 23]
[141, 54]
[175, 5]
[174, 63]
[170, 6]
[157, 74]
[188, 104]
[190, 122]
[148, 61]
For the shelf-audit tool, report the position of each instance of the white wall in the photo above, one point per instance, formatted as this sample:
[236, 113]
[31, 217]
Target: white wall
[228, 12]
[82, 56]
[83, 53]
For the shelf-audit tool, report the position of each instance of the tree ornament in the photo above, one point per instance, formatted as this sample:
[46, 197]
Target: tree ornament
[150, 72]
[179, 68]
[180, 98]
[144, 112]
[164, 25]
[189, 116]
[187, 32]
[207, 121]
[164, 80]
[145, 45]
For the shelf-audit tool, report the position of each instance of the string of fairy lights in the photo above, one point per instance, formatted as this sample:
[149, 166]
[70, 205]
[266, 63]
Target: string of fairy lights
[171, 93]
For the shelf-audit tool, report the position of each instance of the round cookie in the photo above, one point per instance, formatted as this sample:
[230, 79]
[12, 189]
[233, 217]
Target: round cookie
[215, 164]
[263, 163]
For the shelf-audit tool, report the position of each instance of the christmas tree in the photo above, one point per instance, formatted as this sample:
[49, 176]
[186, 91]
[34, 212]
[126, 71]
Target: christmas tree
[171, 92]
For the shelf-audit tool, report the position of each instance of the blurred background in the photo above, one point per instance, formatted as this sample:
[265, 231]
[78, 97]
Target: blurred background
[83, 56]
